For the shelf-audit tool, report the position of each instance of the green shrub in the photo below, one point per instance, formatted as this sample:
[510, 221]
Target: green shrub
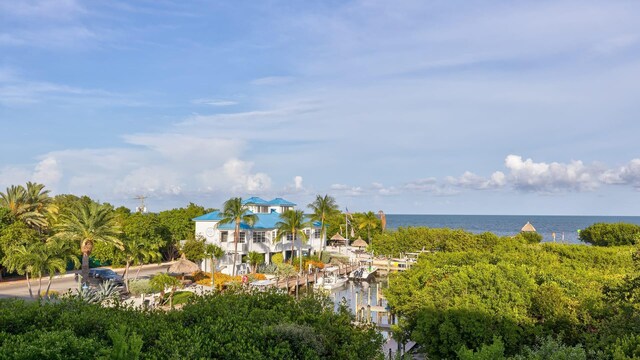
[603, 234]
[141, 286]
[227, 325]
[531, 237]
[277, 258]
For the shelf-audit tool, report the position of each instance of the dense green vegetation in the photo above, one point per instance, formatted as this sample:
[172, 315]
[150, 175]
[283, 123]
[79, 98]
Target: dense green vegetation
[41, 235]
[480, 296]
[411, 239]
[602, 234]
[221, 326]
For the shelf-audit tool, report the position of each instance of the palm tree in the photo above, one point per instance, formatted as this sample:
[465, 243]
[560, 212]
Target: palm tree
[88, 223]
[30, 205]
[322, 207]
[21, 260]
[370, 221]
[255, 258]
[215, 252]
[234, 211]
[58, 253]
[138, 252]
[291, 223]
[160, 282]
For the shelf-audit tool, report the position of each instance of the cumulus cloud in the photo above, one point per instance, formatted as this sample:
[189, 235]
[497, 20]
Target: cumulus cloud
[47, 172]
[297, 182]
[528, 175]
[625, 175]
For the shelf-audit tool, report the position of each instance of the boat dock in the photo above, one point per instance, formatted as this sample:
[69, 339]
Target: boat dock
[291, 284]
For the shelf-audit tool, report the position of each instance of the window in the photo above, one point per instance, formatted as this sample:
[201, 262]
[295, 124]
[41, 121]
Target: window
[241, 237]
[259, 236]
[289, 237]
[317, 233]
[224, 235]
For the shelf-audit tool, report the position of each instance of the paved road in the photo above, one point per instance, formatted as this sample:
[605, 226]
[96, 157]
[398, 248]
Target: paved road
[62, 284]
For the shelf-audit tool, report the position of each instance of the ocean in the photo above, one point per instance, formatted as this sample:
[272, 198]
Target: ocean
[565, 227]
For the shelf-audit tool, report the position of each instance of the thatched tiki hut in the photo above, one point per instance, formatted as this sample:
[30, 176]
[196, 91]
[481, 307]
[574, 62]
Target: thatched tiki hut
[359, 243]
[183, 266]
[528, 228]
[338, 240]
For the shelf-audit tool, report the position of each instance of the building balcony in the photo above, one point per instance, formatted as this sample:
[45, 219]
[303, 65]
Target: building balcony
[230, 247]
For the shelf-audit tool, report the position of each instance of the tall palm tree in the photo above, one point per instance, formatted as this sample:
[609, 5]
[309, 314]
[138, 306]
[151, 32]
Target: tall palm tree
[322, 207]
[369, 221]
[234, 211]
[88, 223]
[291, 223]
[215, 252]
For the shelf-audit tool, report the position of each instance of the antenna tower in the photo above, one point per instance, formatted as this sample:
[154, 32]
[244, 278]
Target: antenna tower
[142, 208]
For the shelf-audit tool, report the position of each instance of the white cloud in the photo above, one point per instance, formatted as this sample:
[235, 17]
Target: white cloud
[347, 190]
[51, 9]
[214, 102]
[472, 181]
[47, 172]
[625, 175]
[297, 182]
[528, 175]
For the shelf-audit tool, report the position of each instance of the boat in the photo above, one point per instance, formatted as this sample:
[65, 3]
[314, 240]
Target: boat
[364, 272]
[262, 285]
[331, 279]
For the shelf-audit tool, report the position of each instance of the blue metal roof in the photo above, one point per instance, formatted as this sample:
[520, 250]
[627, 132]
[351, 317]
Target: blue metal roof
[212, 216]
[264, 222]
[255, 201]
[281, 202]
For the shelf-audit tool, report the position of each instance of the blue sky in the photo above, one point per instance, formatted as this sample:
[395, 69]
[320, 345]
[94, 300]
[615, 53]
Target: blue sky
[454, 107]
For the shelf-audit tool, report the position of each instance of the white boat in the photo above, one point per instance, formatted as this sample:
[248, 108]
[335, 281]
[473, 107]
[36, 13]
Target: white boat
[331, 280]
[364, 272]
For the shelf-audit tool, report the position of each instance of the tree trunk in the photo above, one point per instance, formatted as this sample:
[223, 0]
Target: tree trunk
[40, 286]
[213, 271]
[125, 275]
[86, 247]
[46, 294]
[85, 267]
[323, 235]
[29, 285]
[236, 236]
[137, 272]
[293, 240]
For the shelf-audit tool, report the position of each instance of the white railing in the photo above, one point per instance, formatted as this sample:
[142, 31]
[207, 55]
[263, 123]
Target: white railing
[242, 247]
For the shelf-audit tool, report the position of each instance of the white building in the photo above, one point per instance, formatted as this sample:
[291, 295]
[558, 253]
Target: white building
[261, 237]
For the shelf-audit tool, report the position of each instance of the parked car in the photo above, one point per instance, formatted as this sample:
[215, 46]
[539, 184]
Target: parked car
[106, 274]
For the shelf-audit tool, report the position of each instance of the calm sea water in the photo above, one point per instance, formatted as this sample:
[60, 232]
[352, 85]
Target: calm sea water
[506, 225]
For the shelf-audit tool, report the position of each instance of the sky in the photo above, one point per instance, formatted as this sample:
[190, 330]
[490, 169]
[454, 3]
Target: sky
[410, 107]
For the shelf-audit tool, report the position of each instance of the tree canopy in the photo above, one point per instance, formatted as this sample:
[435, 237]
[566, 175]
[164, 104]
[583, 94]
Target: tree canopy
[603, 234]
[221, 326]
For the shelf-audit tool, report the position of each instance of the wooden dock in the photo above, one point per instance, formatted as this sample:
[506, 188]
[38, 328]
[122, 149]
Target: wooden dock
[294, 282]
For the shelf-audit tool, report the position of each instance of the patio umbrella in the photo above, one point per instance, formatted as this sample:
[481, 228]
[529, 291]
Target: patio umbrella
[183, 266]
[359, 243]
